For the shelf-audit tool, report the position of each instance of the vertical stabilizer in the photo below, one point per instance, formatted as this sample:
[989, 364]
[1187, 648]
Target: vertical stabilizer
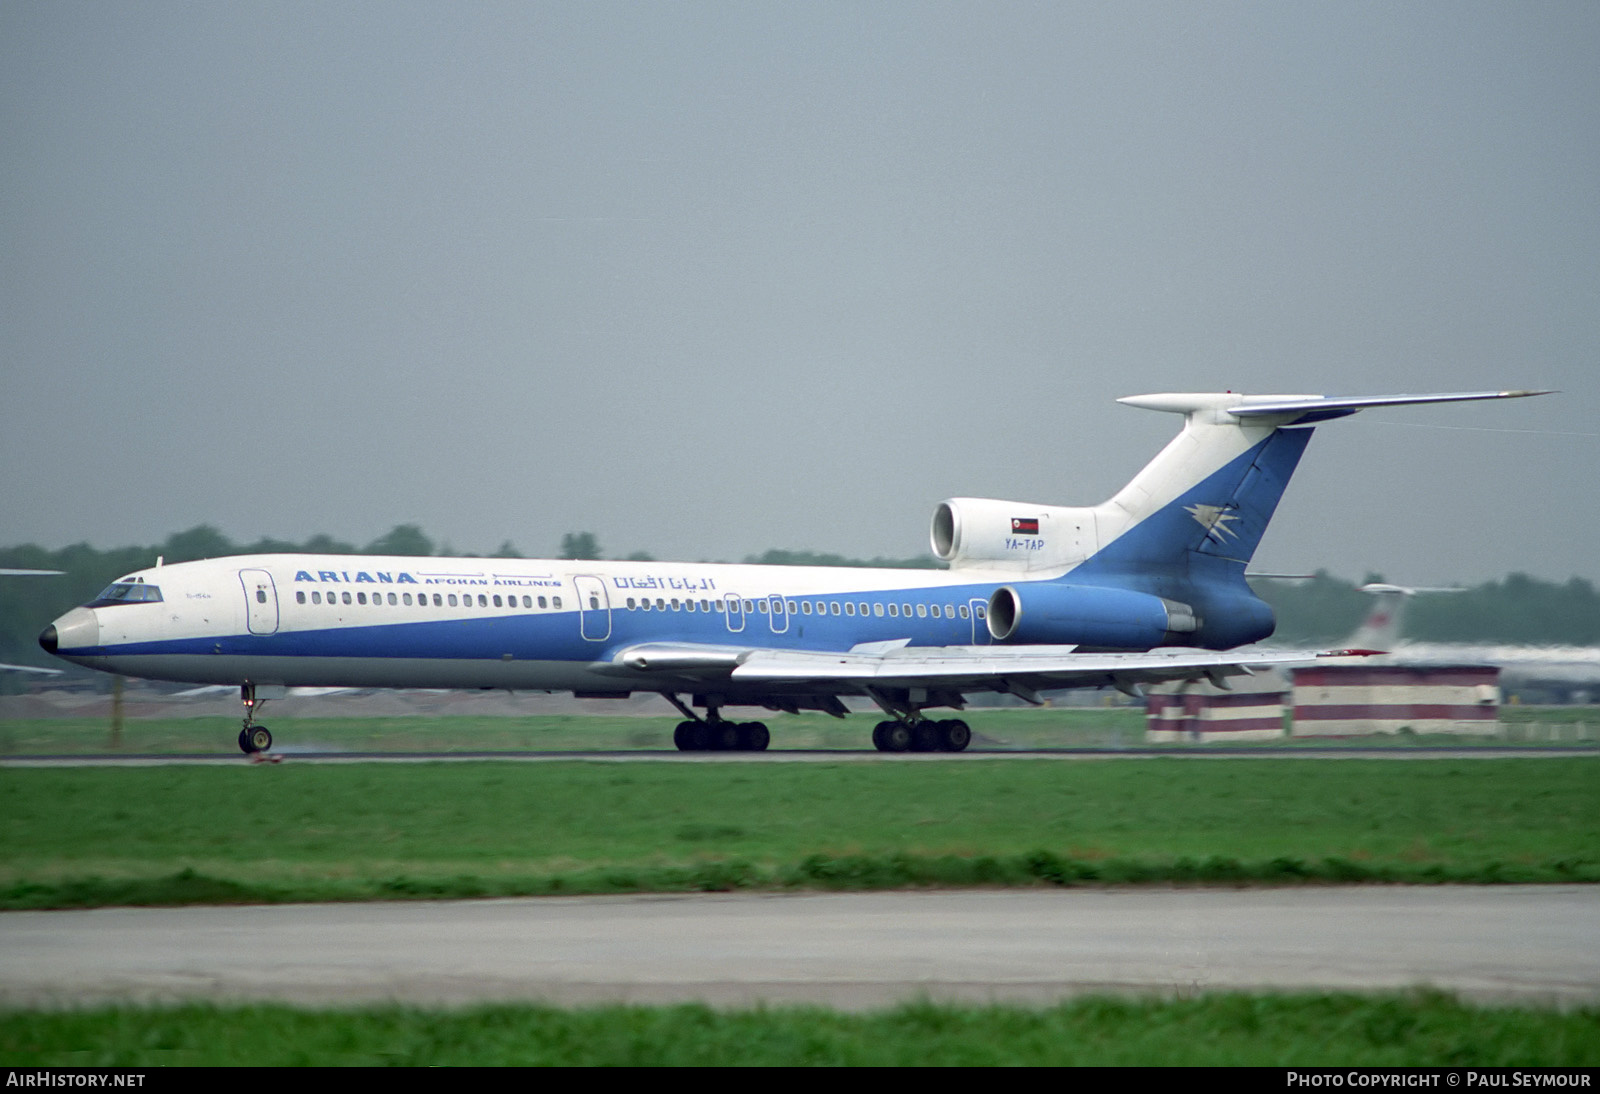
[1205, 501]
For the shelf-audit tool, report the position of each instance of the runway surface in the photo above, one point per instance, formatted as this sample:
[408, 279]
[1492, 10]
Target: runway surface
[1531, 944]
[1213, 752]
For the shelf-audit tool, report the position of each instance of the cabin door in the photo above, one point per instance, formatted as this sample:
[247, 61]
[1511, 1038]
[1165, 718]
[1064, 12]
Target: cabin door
[260, 601]
[594, 608]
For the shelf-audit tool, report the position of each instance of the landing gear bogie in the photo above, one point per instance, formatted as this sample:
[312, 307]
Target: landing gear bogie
[924, 735]
[721, 736]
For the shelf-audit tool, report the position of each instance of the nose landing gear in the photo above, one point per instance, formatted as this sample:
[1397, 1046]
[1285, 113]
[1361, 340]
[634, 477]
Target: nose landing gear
[253, 738]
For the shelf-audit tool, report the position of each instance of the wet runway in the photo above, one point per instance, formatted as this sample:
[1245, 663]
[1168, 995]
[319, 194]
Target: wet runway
[1519, 943]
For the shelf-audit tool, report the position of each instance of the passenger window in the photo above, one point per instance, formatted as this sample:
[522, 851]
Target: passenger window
[346, 597]
[877, 610]
[805, 607]
[894, 610]
[542, 603]
[905, 610]
[316, 598]
[963, 611]
[300, 596]
[361, 598]
[392, 599]
[834, 607]
[261, 596]
[438, 600]
[555, 601]
[594, 602]
[688, 605]
[922, 611]
[452, 600]
[761, 606]
[849, 608]
[632, 603]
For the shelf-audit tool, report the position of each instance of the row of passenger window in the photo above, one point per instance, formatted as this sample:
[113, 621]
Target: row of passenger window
[780, 606]
[440, 600]
[762, 606]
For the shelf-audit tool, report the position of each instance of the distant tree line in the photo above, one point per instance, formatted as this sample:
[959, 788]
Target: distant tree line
[1323, 608]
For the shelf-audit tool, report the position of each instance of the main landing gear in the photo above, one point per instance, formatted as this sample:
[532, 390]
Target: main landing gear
[923, 735]
[713, 734]
[719, 736]
[253, 739]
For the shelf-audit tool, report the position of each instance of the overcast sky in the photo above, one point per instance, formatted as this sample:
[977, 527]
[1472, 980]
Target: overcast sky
[710, 278]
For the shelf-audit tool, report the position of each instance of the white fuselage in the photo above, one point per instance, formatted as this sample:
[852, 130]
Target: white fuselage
[355, 621]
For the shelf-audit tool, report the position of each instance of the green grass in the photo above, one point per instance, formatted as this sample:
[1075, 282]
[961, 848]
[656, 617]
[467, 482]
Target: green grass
[169, 835]
[1292, 1030]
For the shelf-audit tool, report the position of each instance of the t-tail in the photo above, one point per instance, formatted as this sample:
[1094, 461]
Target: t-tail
[1163, 561]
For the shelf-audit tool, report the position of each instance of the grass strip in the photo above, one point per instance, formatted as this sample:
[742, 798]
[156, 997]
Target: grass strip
[853, 873]
[1394, 1030]
[177, 835]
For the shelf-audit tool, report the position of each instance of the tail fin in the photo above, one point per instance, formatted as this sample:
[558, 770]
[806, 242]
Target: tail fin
[1206, 499]
[1382, 627]
[1380, 630]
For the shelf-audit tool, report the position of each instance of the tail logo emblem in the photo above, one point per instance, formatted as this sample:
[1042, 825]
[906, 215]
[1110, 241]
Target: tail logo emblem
[1213, 518]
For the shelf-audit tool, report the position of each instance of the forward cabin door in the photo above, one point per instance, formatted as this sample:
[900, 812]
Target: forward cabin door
[260, 601]
[594, 608]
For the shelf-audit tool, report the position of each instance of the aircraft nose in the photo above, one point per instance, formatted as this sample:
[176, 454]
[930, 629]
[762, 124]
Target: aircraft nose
[78, 629]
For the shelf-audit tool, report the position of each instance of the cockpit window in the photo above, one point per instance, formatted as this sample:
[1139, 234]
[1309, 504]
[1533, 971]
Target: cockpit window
[127, 592]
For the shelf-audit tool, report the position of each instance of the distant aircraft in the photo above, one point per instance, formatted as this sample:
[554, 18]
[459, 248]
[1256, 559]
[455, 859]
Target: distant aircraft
[1566, 668]
[1145, 587]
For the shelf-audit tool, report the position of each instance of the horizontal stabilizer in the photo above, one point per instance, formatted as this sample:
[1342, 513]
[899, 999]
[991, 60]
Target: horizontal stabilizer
[1320, 407]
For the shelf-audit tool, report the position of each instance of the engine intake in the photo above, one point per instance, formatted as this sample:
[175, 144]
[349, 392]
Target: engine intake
[1013, 534]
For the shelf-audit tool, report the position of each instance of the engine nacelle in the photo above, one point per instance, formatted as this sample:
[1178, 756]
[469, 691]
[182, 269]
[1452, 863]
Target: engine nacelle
[1012, 534]
[1084, 615]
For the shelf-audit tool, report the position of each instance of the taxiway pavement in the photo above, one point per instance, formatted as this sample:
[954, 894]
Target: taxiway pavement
[854, 950]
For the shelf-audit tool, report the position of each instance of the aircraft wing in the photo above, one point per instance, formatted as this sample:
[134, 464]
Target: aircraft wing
[1015, 669]
[29, 668]
[996, 667]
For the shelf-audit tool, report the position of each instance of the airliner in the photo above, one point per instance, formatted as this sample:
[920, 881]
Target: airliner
[1146, 587]
[1566, 668]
